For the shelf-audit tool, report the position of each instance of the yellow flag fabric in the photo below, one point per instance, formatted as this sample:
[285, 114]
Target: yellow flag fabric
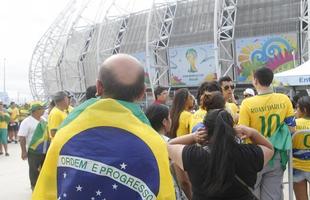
[103, 150]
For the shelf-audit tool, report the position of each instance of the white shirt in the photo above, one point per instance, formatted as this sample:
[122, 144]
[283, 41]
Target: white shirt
[27, 128]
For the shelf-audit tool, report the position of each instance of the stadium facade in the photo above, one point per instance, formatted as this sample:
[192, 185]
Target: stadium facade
[180, 43]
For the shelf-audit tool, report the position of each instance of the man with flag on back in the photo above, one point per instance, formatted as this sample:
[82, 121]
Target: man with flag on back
[106, 148]
[31, 135]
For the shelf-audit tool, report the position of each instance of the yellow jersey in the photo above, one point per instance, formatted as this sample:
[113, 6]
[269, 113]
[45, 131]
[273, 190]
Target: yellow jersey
[197, 117]
[4, 120]
[266, 112]
[233, 109]
[55, 118]
[14, 114]
[184, 123]
[23, 113]
[301, 146]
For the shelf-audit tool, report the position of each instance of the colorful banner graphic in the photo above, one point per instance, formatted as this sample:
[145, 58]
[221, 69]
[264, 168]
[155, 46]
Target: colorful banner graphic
[141, 57]
[274, 51]
[191, 65]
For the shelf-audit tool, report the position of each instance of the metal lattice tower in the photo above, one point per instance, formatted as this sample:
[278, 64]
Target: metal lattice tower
[120, 35]
[159, 27]
[71, 63]
[112, 29]
[225, 12]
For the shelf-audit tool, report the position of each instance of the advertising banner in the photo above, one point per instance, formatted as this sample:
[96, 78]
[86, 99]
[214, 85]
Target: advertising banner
[276, 52]
[191, 65]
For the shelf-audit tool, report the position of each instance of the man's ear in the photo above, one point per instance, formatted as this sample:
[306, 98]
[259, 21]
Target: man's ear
[99, 88]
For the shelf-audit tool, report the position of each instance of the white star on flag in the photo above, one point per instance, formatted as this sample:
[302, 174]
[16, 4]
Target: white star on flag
[59, 198]
[114, 186]
[65, 195]
[78, 188]
[93, 198]
[65, 175]
[123, 166]
[98, 193]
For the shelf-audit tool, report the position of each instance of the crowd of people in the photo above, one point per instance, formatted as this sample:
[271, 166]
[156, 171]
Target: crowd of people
[207, 147]
[10, 117]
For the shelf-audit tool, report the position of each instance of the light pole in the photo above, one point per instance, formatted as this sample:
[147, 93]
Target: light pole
[4, 88]
[215, 32]
[294, 61]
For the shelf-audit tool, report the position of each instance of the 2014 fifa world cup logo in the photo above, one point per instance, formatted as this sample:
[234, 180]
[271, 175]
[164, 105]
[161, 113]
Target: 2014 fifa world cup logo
[191, 56]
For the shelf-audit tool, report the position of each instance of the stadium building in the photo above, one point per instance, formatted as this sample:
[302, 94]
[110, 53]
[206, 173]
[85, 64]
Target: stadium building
[180, 43]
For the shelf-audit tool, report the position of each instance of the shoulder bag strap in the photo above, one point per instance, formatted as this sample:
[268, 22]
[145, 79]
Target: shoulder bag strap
[248, 188]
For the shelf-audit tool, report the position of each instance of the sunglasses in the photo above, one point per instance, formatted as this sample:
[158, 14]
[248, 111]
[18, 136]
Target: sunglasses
[229, 86]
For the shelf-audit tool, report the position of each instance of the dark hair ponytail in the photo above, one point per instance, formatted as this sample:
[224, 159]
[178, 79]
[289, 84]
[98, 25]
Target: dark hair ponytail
[178, 105]
[221, 164]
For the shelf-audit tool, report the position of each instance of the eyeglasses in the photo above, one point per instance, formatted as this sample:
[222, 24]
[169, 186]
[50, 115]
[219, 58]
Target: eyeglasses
[226, 87]
[246, 95]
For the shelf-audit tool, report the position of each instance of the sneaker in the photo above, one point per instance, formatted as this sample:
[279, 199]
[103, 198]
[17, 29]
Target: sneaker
[7, 154]
[1, 153]
[9, 141]
[15, 141]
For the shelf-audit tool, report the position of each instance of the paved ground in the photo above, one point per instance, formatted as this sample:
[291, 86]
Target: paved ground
[14, 181]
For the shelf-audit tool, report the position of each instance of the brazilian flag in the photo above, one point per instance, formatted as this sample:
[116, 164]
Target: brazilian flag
[5, 118]
[40, 140]
[106, 149]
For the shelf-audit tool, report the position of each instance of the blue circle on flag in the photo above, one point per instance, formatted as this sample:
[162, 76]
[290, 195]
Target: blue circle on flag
[107, 163]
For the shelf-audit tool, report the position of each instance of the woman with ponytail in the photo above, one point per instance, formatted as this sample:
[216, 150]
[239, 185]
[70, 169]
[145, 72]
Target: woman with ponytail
[180, 118]
[224, 169]
[180, 113]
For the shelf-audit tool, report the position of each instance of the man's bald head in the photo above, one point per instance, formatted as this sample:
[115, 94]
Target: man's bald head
[121, 77]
